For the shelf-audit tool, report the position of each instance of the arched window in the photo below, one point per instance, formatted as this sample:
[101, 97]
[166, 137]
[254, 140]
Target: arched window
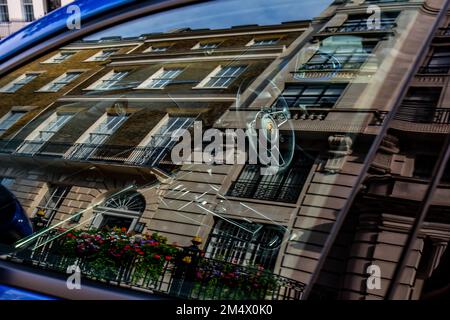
[129, 201]
[121, 210]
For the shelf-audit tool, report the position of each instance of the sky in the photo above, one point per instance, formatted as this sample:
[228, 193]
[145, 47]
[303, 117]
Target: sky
[219, 14]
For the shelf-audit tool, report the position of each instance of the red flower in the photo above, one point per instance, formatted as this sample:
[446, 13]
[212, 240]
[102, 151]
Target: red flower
[157, 256]
[168, 258]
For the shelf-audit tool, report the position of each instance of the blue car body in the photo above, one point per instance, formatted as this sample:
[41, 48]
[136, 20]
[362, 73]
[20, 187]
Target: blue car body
[14, 222]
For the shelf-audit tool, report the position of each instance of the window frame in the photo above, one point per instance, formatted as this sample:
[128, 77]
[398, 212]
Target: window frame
[6, 119]
[308, 86]
[95, 57]
[157, 76]
[19, 81]
[57, 58]
[4, 12]
[34, 142]
[254, 42]
[97, 85]
[59, 81]
[214, 74]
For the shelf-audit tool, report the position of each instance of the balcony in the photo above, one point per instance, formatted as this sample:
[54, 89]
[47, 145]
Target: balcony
[330, 66]
[148, 266]
[265, 191]
[358, 28]
[150, 156]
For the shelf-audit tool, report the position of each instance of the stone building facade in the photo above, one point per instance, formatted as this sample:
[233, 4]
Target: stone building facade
[91, 147]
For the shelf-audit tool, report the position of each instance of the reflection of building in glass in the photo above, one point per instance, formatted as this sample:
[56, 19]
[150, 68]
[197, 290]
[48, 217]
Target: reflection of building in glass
[98, 116]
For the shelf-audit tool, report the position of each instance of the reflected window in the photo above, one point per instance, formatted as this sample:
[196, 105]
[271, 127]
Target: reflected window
[157, 49]
[7, 182]
[61, 82]
[51, 203]
[121, 211]
[310, 96]
[162, 140]
[28, 10]
[161, 78]
[340, 57]
[420, 105]
[263, 42]
[439, 62]
[285, 186]
[222, 77]
[96, 136]
[102, 55]
[60, 57]
[10, 119]
[19, 82]
[4, 13]
[44, 133]
[53, 5]
[360, 23]
[111, 81]
[206, 45]
[244, 243]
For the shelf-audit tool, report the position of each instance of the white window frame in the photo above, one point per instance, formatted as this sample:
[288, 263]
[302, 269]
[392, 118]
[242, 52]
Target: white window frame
[253, 42]
[106, 77]
[56, 58]
[4, 6]
[6, 117]
[156, 49]
[154, 132]
[27, 4]
[100, 213]
[84, 139]
[10, 85]
[36, 136]
[198, 46]
[99, 54]
[204, 82]
[48, 86]
[157, 76]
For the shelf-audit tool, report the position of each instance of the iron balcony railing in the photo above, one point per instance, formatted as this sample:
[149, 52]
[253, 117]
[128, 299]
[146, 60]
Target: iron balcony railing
[206, 279]
[129, 155]
[386, 27]
[423, 114]
[330, 66]
[277, 192]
